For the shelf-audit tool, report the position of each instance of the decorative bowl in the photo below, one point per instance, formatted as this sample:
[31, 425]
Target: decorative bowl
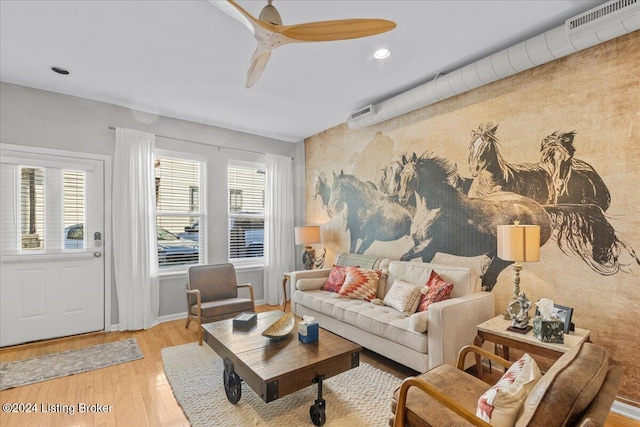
[281, 327]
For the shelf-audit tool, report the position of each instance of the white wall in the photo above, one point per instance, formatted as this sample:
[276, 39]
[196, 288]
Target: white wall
[33, 117]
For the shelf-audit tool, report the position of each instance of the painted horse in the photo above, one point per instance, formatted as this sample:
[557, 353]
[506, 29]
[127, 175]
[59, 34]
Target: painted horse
[466, 226]
[321, 188]
[370, 215]
[458, 224]
[492, 173]
[575, 181]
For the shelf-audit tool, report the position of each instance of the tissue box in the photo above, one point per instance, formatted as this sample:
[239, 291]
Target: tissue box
[551, 331]
[308, 332]
[245, 321]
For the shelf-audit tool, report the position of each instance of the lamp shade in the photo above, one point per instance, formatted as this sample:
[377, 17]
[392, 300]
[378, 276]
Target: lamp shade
[519, 243]
[307, 235]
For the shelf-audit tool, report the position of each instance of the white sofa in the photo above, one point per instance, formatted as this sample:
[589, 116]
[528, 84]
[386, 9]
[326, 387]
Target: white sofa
[450, 324]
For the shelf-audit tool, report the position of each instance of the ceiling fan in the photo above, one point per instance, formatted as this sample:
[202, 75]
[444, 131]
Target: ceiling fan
[270, 32]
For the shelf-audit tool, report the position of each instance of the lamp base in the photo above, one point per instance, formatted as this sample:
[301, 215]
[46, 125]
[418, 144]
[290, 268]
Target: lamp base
[308, 257]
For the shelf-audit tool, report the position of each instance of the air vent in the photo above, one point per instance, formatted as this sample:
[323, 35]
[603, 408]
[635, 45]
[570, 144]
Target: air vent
[590, 20]
[366, 111]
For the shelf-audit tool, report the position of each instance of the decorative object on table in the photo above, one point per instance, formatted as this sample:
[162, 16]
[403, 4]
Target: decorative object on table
[308, 330]
[245, 321]
[519, 243]
[306, 236]
[281, 327]
[563, 313]
[546, 327]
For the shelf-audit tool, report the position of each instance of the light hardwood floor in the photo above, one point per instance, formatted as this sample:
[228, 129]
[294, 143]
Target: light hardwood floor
[138, 392]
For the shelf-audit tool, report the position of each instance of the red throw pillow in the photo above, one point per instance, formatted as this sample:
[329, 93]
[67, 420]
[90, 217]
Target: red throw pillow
[439, 290]
[336, 279]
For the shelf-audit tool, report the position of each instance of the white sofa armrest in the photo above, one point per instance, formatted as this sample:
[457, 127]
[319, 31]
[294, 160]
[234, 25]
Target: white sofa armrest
[452, 325]
[305, 274]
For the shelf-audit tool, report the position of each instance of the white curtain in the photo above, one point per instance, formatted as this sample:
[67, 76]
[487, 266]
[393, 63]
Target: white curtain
[134, 230]
[278, 226]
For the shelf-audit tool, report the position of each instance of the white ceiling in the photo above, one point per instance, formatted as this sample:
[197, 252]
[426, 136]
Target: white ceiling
[187, 59]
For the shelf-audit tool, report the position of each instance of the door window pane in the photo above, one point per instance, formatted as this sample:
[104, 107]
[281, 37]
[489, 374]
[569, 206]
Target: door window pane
[32, 209]
[73, 209]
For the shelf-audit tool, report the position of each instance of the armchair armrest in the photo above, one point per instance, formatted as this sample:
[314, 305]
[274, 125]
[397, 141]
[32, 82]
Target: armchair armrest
[452, 325]
[464, 351]
[437, 395]
[250, 287]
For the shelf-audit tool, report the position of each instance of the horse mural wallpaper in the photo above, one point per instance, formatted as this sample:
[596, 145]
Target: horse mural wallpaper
[546, 148]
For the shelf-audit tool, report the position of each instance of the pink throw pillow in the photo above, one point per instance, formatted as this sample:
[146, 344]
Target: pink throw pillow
[360, 283]
[439, 290]
[335, 280]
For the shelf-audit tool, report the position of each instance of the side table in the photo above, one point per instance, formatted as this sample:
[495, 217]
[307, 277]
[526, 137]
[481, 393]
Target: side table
[287, 277]
[495, 330]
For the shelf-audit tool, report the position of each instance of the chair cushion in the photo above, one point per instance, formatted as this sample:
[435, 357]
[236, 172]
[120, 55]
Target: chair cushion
[501, 404]
[360, 283]
[403, 296]
[424, 411]
[567, 389]
[216, 309]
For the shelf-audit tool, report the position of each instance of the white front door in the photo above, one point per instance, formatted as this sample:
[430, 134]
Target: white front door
[52, 223]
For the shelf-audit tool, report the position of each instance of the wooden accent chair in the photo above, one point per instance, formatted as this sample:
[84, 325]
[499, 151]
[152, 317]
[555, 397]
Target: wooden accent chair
[212, 294]
[578, 390]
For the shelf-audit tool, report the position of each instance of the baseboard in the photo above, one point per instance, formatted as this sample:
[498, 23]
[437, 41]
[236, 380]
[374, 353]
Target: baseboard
[626, 410]
[170, 317]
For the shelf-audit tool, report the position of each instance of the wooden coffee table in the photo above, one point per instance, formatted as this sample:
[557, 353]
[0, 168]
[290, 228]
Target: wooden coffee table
[274, 369]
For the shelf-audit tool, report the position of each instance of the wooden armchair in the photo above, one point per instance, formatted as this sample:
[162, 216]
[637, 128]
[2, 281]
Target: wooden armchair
[212, 294]
[578, 390]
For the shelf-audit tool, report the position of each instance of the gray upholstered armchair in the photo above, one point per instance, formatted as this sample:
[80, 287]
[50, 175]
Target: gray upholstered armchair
[212, 294]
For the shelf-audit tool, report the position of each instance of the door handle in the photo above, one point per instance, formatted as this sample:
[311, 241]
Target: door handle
[97, 254]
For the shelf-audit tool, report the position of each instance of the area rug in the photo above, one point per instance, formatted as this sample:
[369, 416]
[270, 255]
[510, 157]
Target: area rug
[56, 365]
[358, 397]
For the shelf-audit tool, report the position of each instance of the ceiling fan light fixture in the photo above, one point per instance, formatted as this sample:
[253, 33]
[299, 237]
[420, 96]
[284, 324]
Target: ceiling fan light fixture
[383, 53]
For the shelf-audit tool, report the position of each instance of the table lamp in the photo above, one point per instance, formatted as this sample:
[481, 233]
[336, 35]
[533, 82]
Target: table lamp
[519, 243]
[306, 236]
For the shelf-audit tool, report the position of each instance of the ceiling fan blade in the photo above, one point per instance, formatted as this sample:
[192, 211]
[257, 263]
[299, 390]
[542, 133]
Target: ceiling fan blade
[343, 29]
[234, 10]
[256, 67]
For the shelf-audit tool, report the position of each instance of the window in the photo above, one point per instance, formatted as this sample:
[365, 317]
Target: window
[179, 210]
[73, 183]
[246, 212]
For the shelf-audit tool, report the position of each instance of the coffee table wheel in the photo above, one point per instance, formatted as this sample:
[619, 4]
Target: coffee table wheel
[317, 413]
[232, 385]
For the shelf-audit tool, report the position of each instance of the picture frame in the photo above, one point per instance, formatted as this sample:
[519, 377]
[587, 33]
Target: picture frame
[563, 313]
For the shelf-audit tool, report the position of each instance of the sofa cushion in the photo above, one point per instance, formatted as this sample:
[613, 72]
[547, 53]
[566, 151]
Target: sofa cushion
[380, 320]
[501, 403]
[336, 279]
[403, 296]
[464, 279]
[436, 290]
[568, 387]
[360, 283]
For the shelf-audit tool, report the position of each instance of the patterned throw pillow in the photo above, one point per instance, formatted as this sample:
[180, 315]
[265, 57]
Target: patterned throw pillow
[501, 404]
[335, 280]
[360, 283]
[438, 290]
[403, 296]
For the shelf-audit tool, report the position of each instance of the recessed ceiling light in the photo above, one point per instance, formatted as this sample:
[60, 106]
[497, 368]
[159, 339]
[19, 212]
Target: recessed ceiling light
[60, 70]
[382, 53]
